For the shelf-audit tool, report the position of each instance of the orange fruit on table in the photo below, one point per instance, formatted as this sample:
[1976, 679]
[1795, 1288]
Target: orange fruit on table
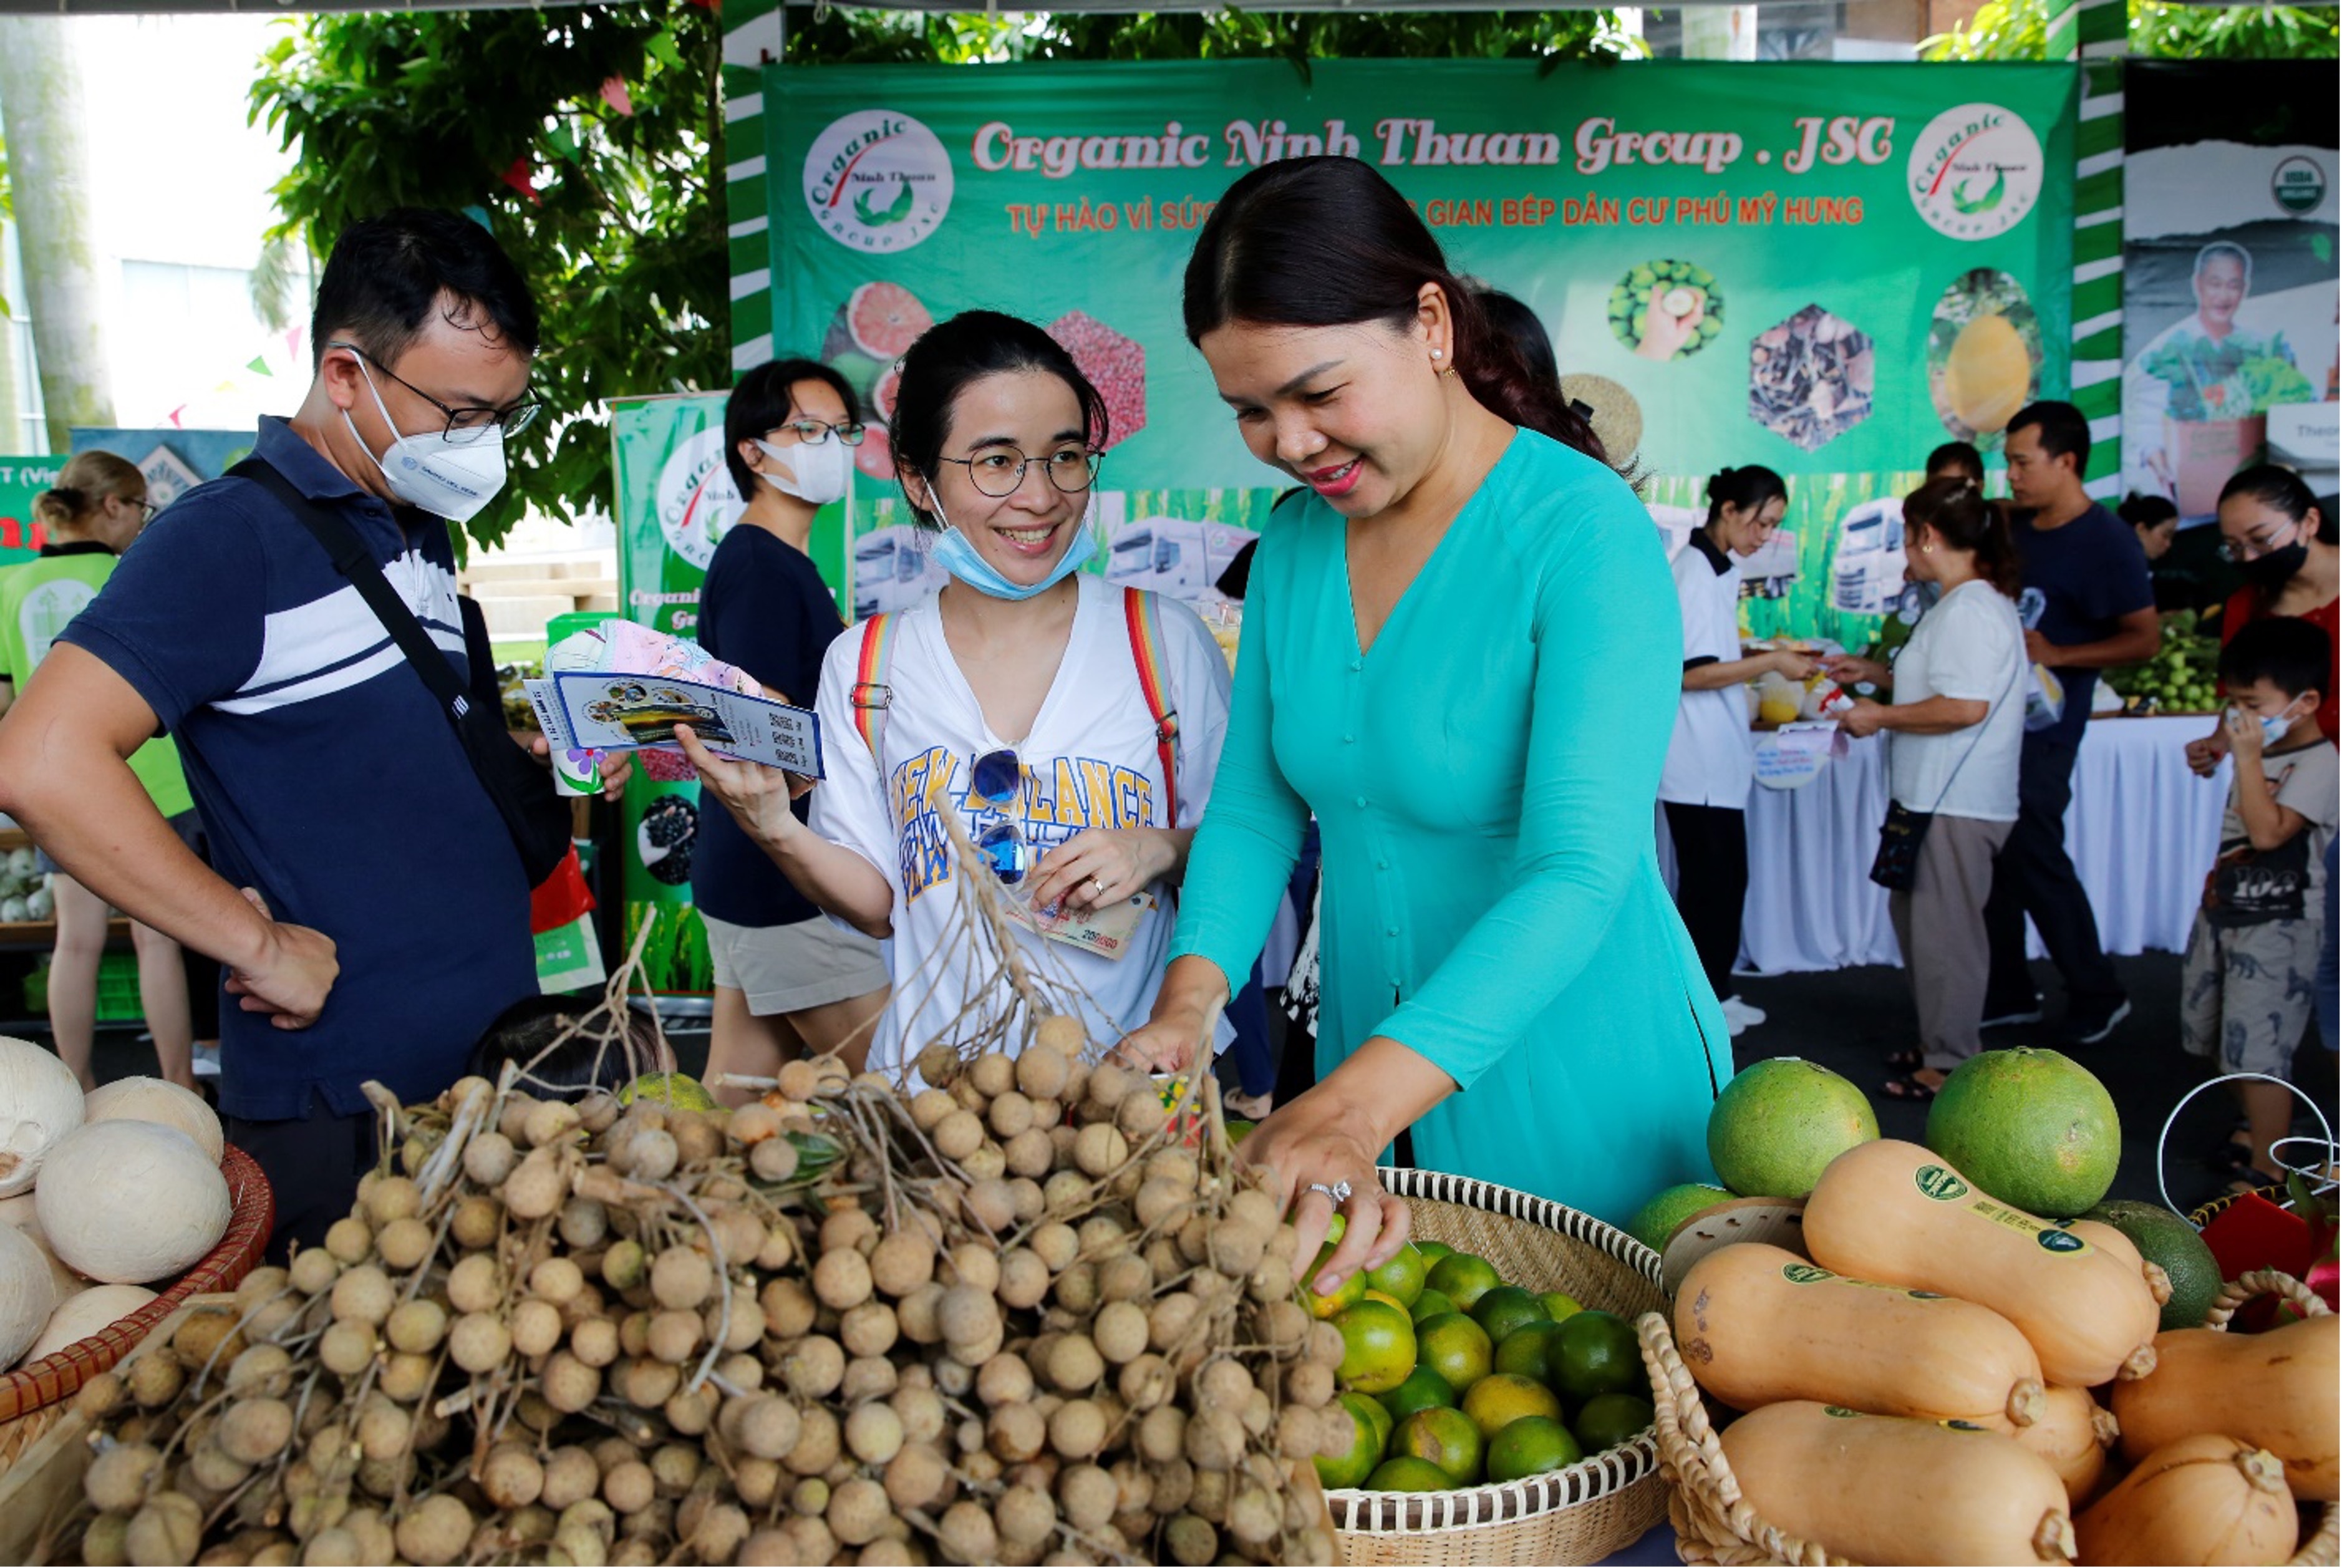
[1463, 1279]
[1368, 1425]
[1387, 1299]
[1455, 1347]
[1531, 1446]
[1448, 1438]
[1502, 1398]
[1597, 1353]
[1401, 1278]
[1406, 1473]
[1423, 1390]
[1558, 1306]
[1430, 1303]
[1506, 1308]
[1528, 1351]
[1377, 1346]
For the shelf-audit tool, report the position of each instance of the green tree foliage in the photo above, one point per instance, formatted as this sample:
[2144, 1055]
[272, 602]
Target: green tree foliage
[622, 234]
[2018, 30]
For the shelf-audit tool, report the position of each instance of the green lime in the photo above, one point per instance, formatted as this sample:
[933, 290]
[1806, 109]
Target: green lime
[1448, 1438]
[1505, 1309]
[1432, 1250]
[680, 1090]
[1657, 1220]
[1610, 1419]
[1531, 1446]
[1597, 1352]
[1502, 1398]
[2163, 1237]
[1528, 1351]
[1464, 1279]
[1407, 1473]
[1455, 1347]
[1423, 1390]
[1377, 1346]
[1431, 1303]
[1558, 1306]
[1365, 1450]
[1401, 1278]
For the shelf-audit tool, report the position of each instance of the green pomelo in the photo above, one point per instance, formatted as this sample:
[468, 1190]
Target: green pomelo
[1779, 1123]
[2164, 1238]
[2034, 1129]
[1657, 1220]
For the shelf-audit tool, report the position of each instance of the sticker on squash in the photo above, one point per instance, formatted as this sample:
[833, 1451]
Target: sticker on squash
[1942, 1185]
[2056, 1241]
[1841, 1412]
[1805, 1273]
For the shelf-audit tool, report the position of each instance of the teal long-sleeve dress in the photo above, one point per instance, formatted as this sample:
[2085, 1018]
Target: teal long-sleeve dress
[1483, 779]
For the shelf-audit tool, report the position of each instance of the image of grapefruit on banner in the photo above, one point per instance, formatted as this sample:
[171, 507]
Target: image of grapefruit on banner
[883, 319]
[883, 392]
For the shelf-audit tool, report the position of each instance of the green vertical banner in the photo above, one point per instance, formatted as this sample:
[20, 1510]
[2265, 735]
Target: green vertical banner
[1826, 269]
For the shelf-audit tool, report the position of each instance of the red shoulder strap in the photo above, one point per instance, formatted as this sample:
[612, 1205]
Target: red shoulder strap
[1140, 615]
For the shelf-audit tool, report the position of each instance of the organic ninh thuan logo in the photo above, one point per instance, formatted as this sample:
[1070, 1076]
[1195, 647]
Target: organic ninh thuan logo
[1939, 1183]
[877, 181]
[1975, 171]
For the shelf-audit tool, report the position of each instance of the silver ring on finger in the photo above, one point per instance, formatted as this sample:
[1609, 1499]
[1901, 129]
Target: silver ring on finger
[1339, 1191]
[1099, 885]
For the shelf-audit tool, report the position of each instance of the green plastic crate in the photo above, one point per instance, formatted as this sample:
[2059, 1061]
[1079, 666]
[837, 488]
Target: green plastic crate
[117, 989]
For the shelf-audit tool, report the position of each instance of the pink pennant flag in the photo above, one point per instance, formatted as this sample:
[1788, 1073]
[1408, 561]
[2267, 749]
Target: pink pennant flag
[614, 94]
[173, 416]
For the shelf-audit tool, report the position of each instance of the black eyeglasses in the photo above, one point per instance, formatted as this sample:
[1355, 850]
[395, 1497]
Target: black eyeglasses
[1072, 469]
[995, 781]
[813, 432]
[464, 426]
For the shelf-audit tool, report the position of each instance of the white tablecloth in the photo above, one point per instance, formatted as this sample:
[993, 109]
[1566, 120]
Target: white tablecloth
[2142, 831]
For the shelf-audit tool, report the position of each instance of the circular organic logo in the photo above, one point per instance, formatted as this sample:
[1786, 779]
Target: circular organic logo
[1939, 1183]
[877, 181]
[2058, 1241]
[697, 502]
[1975, 171]
[2299, 184]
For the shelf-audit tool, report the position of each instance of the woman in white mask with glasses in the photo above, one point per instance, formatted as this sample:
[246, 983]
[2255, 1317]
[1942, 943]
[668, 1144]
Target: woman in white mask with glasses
[1072, 728]
[788, 981]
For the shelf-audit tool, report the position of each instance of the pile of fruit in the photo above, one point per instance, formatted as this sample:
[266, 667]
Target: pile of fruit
[24, 889]
[1678, 288]
[1453, 1377]
[2181, 678]
[1955, 1368]
[1011, 1318]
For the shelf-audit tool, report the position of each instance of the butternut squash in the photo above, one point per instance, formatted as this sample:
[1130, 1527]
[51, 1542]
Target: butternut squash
[2072, 1433]
[2274, 1390]
[1882, 1489]
[1757, 1325]
[2202, 1499]
[2107, 1239]
[1892, 1212]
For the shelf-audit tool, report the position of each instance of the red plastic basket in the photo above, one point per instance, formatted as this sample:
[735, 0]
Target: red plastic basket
[54, 1379]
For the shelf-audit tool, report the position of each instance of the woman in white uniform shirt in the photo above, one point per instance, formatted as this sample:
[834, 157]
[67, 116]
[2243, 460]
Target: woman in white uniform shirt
[1705, 786]
[1014, 697]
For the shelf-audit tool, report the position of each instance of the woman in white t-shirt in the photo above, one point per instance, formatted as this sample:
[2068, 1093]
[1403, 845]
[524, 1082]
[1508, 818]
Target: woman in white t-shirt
[1704, 787]
[1074, 730]
[1959, 724]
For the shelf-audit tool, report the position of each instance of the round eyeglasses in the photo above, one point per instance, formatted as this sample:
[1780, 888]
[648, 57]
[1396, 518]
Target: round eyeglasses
[1072, 469]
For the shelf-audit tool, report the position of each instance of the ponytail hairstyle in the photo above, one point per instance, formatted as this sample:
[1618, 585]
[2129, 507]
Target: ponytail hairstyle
[1328, 242]
[1964, 520]
[2280, 489]
[952, 355]
[1750, 489]
[83, 485]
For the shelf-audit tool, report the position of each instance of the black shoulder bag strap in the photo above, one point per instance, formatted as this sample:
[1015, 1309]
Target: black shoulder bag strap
[521, 791]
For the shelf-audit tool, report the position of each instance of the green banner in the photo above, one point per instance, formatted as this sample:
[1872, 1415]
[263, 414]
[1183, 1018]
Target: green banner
[1827, 269]
[21, 480]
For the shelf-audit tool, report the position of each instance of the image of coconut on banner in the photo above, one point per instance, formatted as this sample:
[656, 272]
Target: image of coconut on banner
[1983, 356]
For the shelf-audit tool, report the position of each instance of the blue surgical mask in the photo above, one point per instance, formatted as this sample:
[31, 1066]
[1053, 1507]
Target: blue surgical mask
[2273, 725]
[958, 554]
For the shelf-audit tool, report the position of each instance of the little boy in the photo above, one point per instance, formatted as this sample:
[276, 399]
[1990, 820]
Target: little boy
[2248, 983]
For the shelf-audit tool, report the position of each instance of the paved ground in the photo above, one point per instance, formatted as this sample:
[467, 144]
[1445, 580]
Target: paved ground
[1849, 1020]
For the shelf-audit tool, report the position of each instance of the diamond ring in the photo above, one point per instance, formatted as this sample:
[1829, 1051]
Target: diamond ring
[1339, 1192]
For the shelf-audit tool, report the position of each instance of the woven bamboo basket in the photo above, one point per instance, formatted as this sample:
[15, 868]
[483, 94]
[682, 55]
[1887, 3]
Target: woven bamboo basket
[32, 1398]
[1715, 1523]
[1580, 1515]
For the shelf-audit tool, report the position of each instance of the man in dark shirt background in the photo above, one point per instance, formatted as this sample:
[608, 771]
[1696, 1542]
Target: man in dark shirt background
[2087, 605]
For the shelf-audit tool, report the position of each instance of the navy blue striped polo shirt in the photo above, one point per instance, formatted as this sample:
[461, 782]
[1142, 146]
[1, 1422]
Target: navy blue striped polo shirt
[327, 777]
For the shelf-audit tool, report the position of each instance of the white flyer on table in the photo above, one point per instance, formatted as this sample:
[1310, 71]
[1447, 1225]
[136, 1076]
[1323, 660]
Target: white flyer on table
[612, 711]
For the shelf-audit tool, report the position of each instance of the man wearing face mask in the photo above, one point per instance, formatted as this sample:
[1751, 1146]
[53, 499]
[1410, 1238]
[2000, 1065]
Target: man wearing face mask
[789, 981]
[370, 908]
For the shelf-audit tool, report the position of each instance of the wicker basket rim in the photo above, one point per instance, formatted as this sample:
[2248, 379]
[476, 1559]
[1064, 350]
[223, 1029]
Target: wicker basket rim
[58, 1375]
[1606, 1473]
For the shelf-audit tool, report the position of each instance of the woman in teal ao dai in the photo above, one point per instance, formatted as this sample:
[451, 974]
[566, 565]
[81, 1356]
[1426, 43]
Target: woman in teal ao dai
[1462, 653]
